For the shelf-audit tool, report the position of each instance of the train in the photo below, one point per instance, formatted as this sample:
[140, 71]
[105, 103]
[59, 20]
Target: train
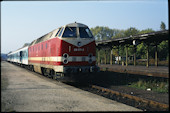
[68, 51]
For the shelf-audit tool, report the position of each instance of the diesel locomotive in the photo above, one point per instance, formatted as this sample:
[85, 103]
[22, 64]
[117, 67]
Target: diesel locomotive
[65, 51]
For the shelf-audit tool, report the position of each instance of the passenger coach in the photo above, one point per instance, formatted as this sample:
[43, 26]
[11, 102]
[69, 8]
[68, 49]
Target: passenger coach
[19, 56]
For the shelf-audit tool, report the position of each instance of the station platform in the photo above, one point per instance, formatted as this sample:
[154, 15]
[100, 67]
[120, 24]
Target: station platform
[26, 91]
[160, 71]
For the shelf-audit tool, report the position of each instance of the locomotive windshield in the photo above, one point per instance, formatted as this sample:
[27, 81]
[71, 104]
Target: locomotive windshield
[70, 32]
[85, 32]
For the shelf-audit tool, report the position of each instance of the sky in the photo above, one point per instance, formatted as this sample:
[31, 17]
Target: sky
[24, 21]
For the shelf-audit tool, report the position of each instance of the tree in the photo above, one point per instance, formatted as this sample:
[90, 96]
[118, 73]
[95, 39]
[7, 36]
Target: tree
[149, 30]
[118, 33]
[101, 33]
[163, 50]
[163, 27]
[131, 31]
[26, 44]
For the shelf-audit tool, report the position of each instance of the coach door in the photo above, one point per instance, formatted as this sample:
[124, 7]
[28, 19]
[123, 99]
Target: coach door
[21, 56]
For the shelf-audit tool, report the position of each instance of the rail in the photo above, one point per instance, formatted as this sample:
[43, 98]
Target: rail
[135, 98]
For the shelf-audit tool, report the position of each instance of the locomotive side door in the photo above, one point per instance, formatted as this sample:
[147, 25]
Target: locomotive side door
[43, 53]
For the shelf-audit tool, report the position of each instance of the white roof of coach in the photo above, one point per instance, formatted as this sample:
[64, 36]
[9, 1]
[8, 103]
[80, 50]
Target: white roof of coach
[21, 49]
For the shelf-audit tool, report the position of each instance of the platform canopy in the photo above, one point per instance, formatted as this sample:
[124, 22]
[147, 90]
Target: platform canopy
[153, 37]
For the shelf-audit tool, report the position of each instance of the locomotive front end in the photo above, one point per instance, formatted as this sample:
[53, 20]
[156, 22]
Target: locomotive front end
[78, 49]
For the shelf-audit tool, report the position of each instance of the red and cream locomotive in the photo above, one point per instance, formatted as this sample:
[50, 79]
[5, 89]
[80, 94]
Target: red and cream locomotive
[66, 50]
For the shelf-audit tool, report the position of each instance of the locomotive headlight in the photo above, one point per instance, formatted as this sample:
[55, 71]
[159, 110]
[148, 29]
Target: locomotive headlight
[79, 43]
[90, 61]
[90, 55]
[65, 61]
[65, 55]
[90, 58]
[65, 58]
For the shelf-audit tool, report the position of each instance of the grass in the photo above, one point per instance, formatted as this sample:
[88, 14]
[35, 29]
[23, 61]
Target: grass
[154, 85]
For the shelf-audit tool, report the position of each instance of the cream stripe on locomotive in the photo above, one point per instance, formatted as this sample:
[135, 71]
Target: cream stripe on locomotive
[60, 59]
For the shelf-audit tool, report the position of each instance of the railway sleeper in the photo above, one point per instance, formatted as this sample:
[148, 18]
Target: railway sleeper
[138, 102]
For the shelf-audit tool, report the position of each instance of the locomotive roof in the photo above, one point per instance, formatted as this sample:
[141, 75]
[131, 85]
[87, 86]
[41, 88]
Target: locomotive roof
[44, 37]
[52, 33]
[76, 25]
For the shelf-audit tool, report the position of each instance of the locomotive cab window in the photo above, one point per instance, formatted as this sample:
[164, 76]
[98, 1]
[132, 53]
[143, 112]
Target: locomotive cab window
[85, 32]
[60, 32]
[70, 32]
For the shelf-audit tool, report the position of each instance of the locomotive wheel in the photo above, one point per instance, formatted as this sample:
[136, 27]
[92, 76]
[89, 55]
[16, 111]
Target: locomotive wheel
[54, 77]
[48, 72]
[32, 68]
[44, 73]
[52, 73]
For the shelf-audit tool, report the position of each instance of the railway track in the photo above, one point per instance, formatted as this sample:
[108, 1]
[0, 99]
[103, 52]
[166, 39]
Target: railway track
[141, 103]
[131, 100]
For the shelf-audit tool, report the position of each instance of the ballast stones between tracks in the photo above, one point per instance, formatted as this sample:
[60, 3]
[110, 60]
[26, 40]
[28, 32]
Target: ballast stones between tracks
[141, 103]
